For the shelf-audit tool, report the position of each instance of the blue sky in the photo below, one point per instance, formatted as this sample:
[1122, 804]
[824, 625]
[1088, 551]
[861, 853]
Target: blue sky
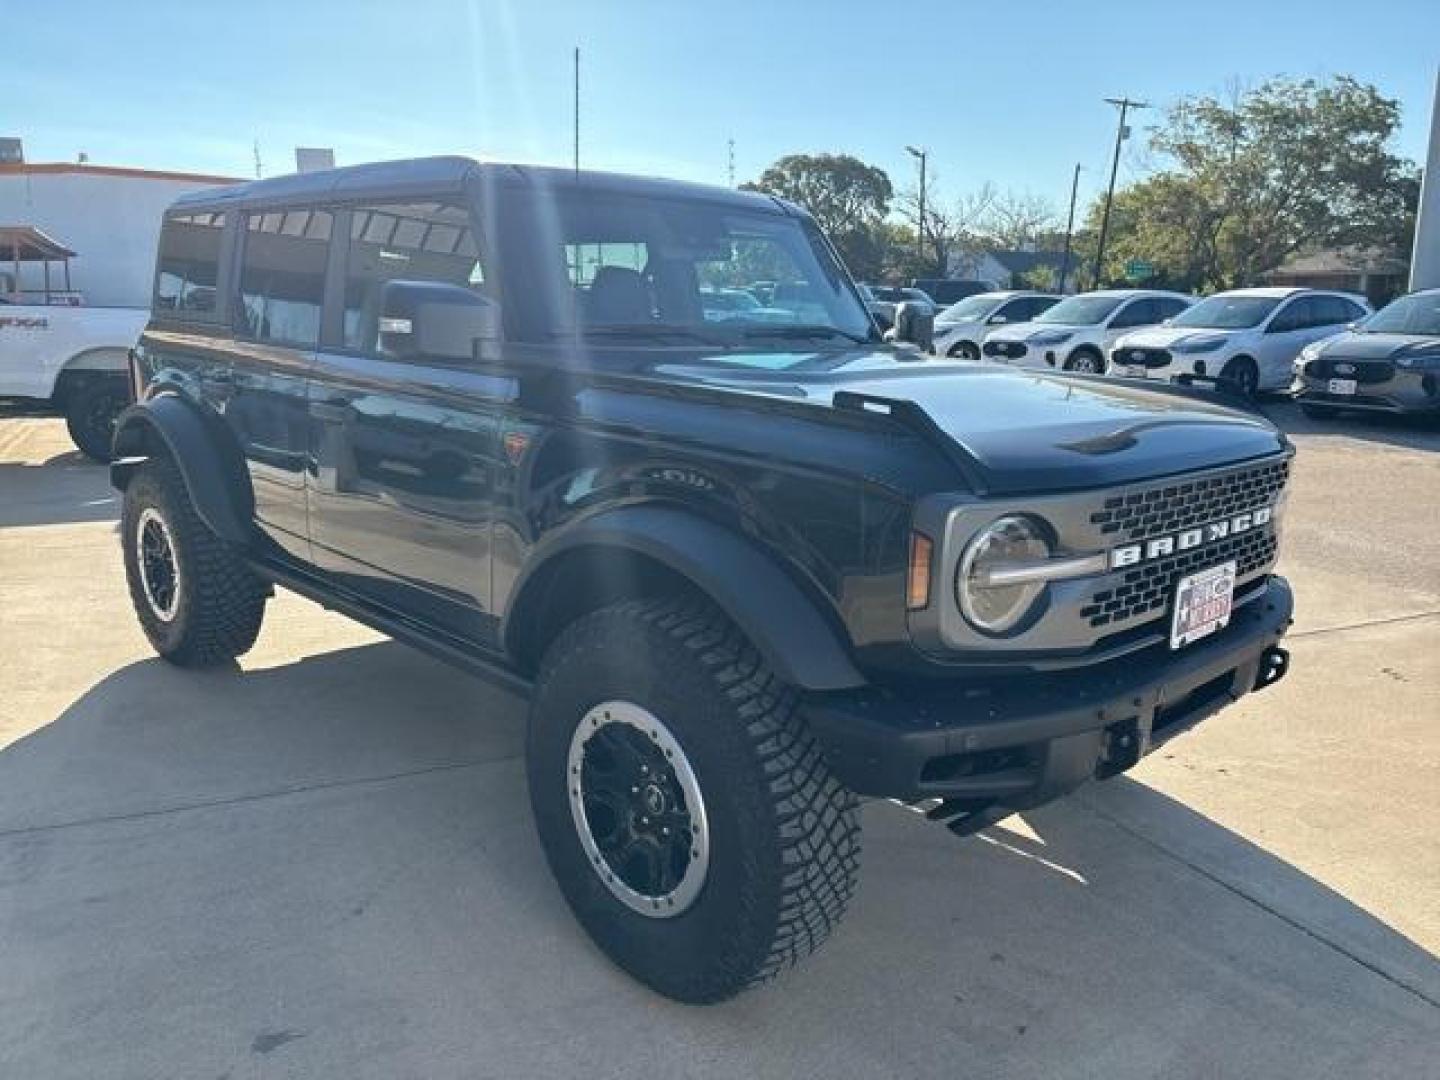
[1005, 92]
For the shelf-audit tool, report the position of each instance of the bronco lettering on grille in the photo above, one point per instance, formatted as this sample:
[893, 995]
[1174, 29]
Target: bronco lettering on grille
[1160, 546]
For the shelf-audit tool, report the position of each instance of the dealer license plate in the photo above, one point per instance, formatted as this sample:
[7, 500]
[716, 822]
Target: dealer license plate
[1202, 604]
[1341, 386]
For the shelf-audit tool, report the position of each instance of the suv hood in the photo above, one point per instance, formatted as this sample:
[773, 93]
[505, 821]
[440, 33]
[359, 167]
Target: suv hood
[1026, 330]
[1167, 337]
[1021, 430]
[1353, 346]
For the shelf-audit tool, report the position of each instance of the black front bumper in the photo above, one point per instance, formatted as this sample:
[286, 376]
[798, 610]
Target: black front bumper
[1013, 743]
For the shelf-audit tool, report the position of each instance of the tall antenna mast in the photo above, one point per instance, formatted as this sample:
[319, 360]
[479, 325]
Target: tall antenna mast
[577, 109]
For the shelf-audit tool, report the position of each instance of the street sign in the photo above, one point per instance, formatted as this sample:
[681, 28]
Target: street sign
[1139, 270]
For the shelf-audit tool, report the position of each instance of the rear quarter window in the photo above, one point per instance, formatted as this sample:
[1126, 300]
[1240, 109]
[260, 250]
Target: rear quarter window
[187, 271]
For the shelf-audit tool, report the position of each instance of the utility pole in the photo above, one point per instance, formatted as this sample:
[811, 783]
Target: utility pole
[922, 156]
[1069, 229]
[1121, 133]
[577, 110]
[257, 159]
[732, 163]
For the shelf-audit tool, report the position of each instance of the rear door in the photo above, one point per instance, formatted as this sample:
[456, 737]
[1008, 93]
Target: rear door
[1290, 329]
[280, 286]
[404, 451]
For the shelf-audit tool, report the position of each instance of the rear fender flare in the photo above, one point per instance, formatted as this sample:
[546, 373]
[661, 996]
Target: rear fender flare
[209, 461]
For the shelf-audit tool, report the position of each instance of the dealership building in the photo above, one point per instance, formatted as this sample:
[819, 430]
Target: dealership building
[83, 233]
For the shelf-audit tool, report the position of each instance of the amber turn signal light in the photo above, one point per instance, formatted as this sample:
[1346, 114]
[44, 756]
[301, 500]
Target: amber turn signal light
[917, 584]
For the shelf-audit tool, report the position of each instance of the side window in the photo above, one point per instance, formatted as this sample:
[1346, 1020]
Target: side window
[282, 275]
[1168, 307]
[1353, 311]
[425, 241]
[188, 263]
[1036, 305]
[1337, 311]
[1137, 313]
[1293, 316]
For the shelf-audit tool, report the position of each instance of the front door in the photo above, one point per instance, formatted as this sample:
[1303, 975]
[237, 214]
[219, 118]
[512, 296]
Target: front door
[404, 451]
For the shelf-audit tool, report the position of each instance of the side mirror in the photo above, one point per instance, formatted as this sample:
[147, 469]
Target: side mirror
[914, 324]
[430, 320]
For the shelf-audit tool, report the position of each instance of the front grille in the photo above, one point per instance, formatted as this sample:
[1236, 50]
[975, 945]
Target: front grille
[1147, 589]
[1013, 349]
[1169, 508]
[1365, 371]
[1150, 358]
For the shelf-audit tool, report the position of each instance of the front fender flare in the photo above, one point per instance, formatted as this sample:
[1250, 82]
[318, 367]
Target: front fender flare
[210, 463]
[784, 622]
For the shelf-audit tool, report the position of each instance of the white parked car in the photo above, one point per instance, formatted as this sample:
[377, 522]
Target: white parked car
[961, 329]
[72, 359]
[1250, 336]
[1078, 332]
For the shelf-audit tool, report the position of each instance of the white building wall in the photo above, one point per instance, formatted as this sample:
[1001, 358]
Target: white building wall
[1425, 262]
[111, 222]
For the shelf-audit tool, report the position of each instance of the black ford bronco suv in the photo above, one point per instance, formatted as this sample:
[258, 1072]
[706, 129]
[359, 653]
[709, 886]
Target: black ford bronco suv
[748, 562]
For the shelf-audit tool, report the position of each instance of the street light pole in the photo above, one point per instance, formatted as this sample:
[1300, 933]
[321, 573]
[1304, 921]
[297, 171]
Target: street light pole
[1069, 229]
[922, 156]
[1120, 133]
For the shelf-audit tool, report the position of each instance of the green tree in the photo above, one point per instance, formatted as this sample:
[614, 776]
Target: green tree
[848, 198]
[1250, 181]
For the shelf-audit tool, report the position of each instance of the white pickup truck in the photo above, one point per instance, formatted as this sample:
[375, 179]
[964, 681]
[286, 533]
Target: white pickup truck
[71, 359]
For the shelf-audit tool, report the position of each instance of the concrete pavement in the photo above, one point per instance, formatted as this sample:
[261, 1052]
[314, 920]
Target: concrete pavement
[321, 862]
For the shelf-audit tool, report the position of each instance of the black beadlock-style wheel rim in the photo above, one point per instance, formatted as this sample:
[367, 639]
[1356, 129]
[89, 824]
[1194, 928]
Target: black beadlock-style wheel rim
[638, 809]
[100, 414]
[159, 569]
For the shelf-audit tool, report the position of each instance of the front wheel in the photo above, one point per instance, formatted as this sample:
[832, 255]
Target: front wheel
[964, 350]
[1086, 362]
[684, 807]
[1243, 373]
[90, 413]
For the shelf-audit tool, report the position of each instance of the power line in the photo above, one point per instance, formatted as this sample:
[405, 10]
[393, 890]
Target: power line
[1121, 134]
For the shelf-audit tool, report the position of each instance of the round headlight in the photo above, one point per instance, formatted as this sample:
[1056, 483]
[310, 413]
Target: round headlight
[993, 607]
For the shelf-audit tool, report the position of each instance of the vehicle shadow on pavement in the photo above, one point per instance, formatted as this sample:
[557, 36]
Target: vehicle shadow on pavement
[68, 487]
[332, 861]
[1406, 432]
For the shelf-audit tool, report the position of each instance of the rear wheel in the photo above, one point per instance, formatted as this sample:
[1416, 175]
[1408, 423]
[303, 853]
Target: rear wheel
[964, 350]
[90, 412]
[196, 600]
[684, 807]
[1244, 374]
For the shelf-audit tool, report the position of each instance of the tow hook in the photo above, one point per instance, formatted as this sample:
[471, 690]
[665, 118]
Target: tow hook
[1274, 663]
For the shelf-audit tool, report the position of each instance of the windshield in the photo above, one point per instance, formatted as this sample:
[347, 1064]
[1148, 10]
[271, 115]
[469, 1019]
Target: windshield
[970, 309]
[1228, 312]
[679, 271]
[1418, 314]
[1080, 310]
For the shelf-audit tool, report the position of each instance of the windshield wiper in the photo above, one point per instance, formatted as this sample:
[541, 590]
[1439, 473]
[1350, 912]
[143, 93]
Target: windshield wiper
[790, 330]
[644, 331]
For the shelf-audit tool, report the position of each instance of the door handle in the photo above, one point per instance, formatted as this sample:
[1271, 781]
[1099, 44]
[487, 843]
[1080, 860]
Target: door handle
[329, 410]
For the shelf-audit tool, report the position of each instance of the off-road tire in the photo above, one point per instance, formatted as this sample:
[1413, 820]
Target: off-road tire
[220, 602]
[90, 412]
[784, 834]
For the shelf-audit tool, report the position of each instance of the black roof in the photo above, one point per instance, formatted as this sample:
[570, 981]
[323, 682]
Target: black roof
[440, 175]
